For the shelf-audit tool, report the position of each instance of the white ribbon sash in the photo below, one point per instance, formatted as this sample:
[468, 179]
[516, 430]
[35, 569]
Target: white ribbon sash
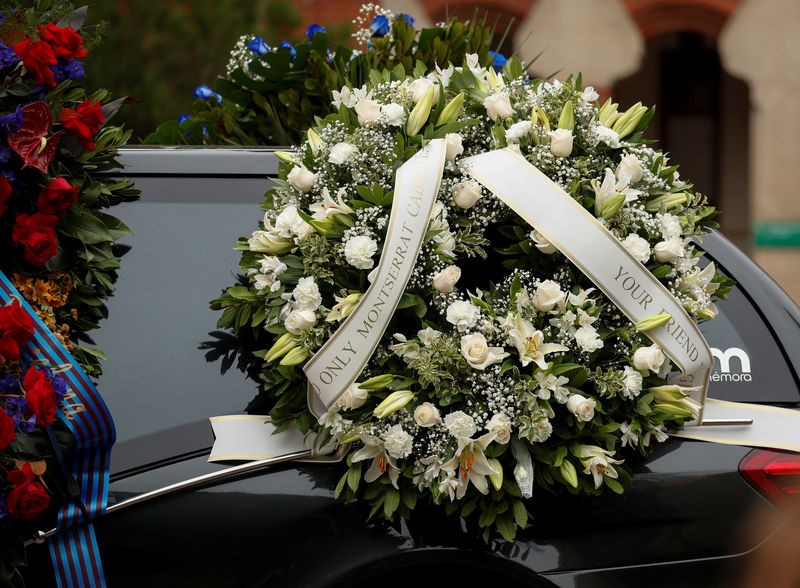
[599, 255]
[341, 359]
[568, 226]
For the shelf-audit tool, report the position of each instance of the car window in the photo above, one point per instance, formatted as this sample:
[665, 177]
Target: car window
[156, 380]
[749, 365]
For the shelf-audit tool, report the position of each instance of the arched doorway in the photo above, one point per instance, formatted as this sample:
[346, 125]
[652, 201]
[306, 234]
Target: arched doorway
[702, 120]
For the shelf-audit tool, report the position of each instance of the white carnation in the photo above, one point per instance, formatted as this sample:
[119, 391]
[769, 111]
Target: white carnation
[289, 224]
[670, 226]
[394, 114]
[358, 251]
[306, 294]
[462, 314]
[518, 130]
[633, 382]
[397, 442]
[588, 339]
[460, 424]
[341, 152]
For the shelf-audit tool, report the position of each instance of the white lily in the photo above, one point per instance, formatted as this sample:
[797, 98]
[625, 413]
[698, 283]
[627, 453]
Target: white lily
[610, 188]
[529, 341]
[328, 207]
[598, 462]
[472, 464]
[382, 462]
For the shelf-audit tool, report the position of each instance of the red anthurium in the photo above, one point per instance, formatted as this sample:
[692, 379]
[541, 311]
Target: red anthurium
[31, 142]
[64, 41]
[37, 57]
[5, 194]
[83, 122]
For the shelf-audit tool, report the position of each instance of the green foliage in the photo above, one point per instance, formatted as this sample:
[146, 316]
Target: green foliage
[276, 98]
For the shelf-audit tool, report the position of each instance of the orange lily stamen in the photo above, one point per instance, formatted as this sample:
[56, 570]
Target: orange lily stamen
[383, 465]
[466, 464]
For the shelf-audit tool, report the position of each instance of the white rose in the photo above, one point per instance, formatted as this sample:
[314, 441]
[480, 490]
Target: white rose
[418, 87]
[454, 146]
[445, 242]
[460, 424]
[518, 130]
[341, 152]
[589, 94]
[542, 244]
[561, 142]
[427, 415]
[498, 105]
[501, 425]
[547, 295]
[353, 397]
[477, 352]
[358, 251]
[306, 294]
[581, 407]
[446, 279]
[668, 251]
[299, 320]
[633, 382]
[396, 441]
[394, 113]
[631, 167]
[648, 358]
[301, 179]
[467, 194]
[368, 111]
[462, 314]
[289, 223]
[637, 247]
[588, 339]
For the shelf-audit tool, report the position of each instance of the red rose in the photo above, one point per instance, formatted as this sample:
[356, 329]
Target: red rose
[40, 396]
[28, 498]
[65, 42]
[83, 122]
[34, 232]
[37, 57]
[9, 348]
[58, 196]
[7, 434]
[15, 321]
[5, 194]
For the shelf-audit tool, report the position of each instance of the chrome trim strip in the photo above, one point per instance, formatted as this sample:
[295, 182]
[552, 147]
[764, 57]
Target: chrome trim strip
[42, 536]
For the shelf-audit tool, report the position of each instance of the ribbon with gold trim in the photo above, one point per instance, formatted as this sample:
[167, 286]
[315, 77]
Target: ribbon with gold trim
[73, 550]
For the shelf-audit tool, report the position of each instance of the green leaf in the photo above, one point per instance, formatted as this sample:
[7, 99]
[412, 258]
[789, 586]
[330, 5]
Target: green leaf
[391, 502]
[354, 476]
[520, 514]
[85, 227]
[615, 486]
[506, 527]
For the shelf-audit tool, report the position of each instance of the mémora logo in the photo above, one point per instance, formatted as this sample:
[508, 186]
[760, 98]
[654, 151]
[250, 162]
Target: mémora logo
[724, 357]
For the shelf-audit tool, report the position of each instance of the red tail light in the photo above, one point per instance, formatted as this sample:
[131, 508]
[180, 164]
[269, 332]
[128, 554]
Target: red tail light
[776, 474]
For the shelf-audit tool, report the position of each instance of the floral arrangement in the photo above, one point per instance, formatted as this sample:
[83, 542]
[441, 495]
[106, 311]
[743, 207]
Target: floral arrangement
[504, 374]
[58, 247]
[271, 95]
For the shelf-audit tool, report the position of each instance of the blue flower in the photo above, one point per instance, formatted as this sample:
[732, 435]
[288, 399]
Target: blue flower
[258, 47]
[498, 60]
[8, 57]
[313, 30]
[290, 47]
[11, 122]
[67, 70]
[5, 155]
[379, 27]
[409, 19]
[203, 92]
[59, 386]
[183, 117]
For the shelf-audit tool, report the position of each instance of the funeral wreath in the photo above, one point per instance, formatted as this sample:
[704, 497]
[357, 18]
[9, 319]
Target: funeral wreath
[504, 374]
